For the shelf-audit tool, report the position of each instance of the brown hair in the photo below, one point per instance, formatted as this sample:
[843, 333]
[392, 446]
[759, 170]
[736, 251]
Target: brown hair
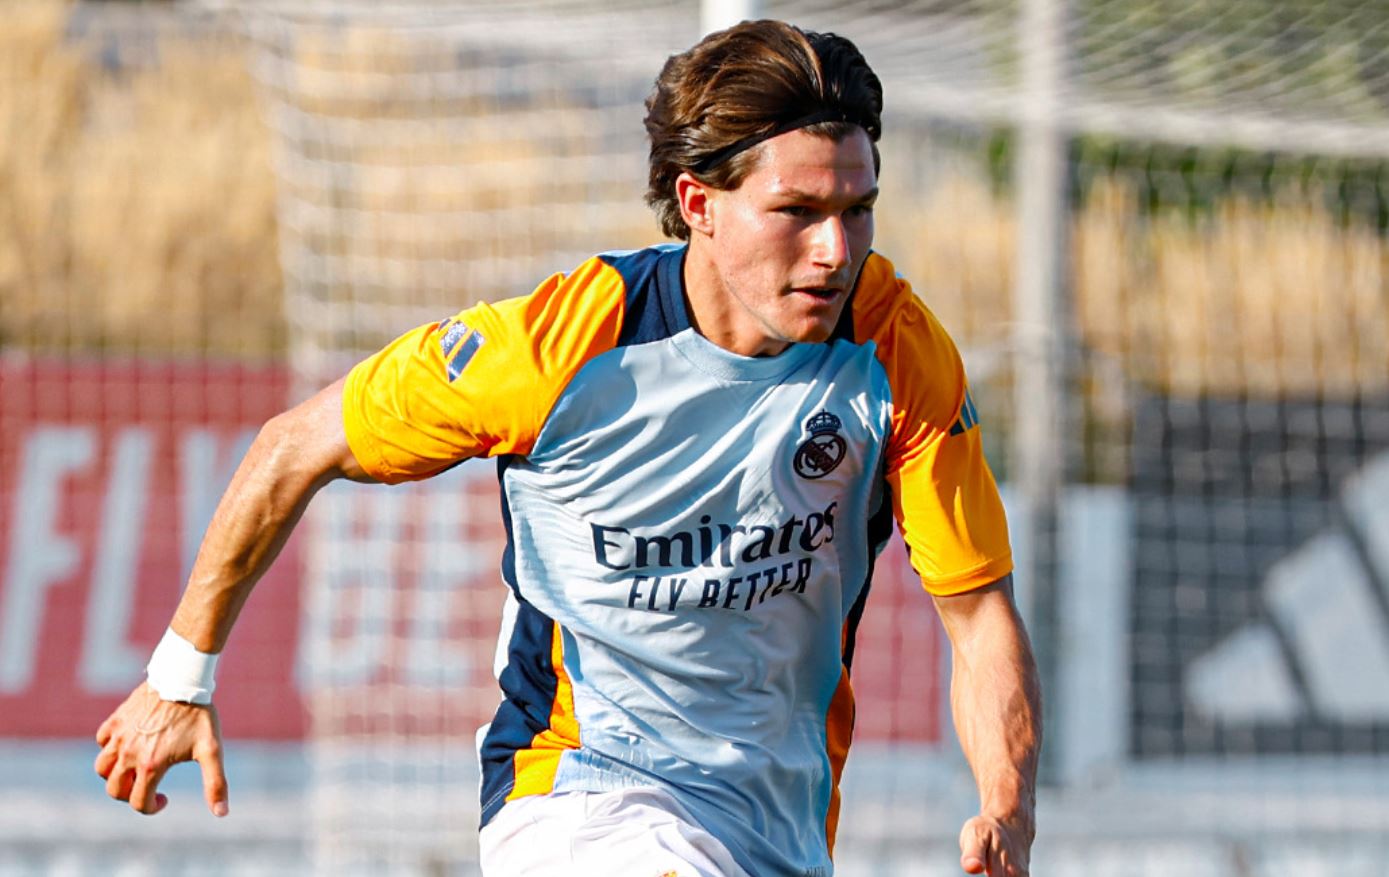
[740, 86]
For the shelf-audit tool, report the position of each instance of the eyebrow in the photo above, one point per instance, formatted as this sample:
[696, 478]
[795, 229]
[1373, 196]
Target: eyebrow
[798, 195]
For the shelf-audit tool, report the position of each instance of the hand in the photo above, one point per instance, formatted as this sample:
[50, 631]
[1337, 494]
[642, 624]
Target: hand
[146, 736]
[995, 847]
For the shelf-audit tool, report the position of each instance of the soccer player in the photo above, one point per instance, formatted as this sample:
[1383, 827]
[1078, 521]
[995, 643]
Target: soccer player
[702, 447]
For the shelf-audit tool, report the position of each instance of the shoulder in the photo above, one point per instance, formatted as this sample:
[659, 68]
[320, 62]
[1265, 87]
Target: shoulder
[571, 315]
[597, 297]
[638, 269]
[888, 312]
[925, 374]
[565, 302]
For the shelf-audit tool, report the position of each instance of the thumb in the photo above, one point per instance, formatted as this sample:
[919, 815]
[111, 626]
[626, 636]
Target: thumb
[214, 779]
[971, 849]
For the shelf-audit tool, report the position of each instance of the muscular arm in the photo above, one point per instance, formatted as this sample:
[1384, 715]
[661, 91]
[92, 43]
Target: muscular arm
[996, 700]
[294, 455]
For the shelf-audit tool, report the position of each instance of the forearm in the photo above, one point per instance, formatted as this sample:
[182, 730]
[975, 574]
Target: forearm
[266, 497]
[293, 456]
[996, 701]
[996, 704]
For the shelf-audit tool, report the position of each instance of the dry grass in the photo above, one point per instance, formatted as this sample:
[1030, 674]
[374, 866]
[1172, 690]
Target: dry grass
[1263, 299]
[136, 208]
[137, 212]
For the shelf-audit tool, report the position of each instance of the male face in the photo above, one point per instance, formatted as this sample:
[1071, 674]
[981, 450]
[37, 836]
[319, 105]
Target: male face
[786, 246]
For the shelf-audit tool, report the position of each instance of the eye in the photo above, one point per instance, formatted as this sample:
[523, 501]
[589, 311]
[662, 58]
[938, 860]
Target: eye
[861, 210]
[794, 210]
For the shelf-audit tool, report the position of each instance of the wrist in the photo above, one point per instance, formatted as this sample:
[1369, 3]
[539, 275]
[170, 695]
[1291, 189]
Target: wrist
[1020, 819]
[1017, 807]
[177, 671]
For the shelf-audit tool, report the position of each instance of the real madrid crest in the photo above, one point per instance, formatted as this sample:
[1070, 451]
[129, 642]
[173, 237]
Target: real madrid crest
[818, 455]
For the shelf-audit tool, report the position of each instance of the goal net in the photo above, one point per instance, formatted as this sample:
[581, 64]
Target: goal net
[1207, 574]
[1157, 231]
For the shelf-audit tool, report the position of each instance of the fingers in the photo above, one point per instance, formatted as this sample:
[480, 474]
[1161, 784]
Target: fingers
[209, 758]
[144, 795]
[139, 786]
[973, 856]
[105, 761]
[133, 762]
[119, 783]
[125, 782]
[986, 847]
[974, 844]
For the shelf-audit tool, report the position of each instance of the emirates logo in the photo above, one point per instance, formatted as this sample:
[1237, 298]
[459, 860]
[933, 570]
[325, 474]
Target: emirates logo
[824, 450]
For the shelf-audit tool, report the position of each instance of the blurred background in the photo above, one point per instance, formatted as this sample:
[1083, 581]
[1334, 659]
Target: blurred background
[1156, 229]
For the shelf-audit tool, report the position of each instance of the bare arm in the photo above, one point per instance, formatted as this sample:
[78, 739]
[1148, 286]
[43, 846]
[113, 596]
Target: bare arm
[996, 699]
[294, 455]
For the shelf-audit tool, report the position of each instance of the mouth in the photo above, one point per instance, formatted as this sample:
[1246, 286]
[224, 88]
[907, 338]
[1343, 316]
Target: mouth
[820, 293]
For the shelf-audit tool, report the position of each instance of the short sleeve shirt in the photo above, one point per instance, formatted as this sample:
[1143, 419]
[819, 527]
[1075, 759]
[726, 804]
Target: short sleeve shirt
[691, 533]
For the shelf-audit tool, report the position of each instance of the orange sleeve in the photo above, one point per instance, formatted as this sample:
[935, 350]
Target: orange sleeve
[944, 496]
[481, 383]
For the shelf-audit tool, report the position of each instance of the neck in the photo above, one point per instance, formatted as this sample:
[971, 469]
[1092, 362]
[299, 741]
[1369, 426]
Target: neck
[716, 313]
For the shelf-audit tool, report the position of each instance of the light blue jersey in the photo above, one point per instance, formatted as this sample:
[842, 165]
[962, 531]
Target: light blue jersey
[691, 532]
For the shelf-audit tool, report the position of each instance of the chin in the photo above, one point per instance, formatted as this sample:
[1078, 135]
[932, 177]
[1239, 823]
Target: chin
[816, 334]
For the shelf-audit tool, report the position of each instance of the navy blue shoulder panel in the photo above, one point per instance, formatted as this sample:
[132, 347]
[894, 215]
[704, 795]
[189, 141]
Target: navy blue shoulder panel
[844, 329]
[655, 295]
[655, 305]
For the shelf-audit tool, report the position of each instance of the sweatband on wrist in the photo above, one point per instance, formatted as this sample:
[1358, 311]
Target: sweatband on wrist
[177, 671]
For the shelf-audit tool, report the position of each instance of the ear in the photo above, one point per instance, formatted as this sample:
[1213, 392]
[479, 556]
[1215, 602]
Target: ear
[696, 203]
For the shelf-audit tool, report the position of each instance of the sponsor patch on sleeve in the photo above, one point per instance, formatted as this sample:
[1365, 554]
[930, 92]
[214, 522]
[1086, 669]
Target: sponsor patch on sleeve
[968, 419]
[459, 343]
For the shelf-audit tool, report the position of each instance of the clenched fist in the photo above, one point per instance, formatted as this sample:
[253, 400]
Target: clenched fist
[995, 847]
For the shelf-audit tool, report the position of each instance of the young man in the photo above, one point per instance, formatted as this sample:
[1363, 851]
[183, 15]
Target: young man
[702, 448]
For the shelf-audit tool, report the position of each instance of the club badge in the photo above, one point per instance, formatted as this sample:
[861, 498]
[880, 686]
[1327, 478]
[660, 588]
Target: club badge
[824, 450]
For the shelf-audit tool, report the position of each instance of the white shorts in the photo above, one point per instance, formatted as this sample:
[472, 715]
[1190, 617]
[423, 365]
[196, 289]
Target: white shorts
[642, 832]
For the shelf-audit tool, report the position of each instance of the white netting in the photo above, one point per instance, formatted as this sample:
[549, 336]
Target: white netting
[1224, 351]
[1304, 76]
[1216, 626]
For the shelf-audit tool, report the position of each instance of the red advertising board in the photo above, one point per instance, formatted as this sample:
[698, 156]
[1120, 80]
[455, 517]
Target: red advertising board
[109, 471]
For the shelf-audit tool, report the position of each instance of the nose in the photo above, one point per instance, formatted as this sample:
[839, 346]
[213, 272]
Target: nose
[831, 242]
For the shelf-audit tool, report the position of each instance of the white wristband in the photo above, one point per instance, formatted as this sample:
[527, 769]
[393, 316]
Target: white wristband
[178, 671]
